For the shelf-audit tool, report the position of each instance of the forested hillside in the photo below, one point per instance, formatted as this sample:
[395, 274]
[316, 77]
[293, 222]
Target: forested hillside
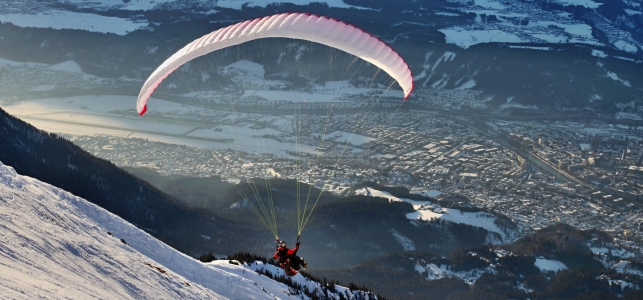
[553, 263]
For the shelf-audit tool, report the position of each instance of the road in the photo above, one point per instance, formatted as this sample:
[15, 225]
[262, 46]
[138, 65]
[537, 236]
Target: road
[531, 156]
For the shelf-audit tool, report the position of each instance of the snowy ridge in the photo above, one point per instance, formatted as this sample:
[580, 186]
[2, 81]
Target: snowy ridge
[54, 244]
[331, 293]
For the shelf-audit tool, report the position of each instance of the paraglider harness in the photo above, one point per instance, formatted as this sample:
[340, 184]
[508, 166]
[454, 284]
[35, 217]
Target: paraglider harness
[288, 259]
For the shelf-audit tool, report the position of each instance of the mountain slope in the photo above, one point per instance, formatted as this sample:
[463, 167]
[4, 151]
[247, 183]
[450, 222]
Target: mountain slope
[59, 162]
[57, 245]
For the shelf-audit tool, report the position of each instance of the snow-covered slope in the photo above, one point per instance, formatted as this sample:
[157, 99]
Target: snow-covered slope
[56, 245]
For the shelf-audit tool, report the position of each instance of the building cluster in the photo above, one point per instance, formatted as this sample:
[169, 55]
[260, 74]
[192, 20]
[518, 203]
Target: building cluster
[422, 151]
[605, 159]
[451, 98]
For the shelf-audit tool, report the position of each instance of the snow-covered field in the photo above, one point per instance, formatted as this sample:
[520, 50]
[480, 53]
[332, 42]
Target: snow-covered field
[237, 4]
[434, 272]
[93, 111]
[43, 16]
[585, 3]
[58, 19]
[616, 252]
[293, 96]
[466, 38]
[120, 4]
[342, 137]
[426, 211]
[13, 63]
[72, 66]
[545, 265]
[115, 116]
[536, 31]
[430, 193]
[525, 22]
[248, 139]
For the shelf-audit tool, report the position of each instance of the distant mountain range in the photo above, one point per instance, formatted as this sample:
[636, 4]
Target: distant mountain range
[503, 57]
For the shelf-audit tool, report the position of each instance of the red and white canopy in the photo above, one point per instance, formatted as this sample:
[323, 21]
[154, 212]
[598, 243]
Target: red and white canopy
[314, 28]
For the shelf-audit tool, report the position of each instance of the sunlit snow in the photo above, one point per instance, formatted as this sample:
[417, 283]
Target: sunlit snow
[615, 77]
[247, 66]
[56, 245]
[43, 88]
[549, 265]
[104, 114]
[430, 193]
[598, 53]
[632, 12]
[71, 66]
[446, 14]
[625, 46]
[13, 63]
[238, 4]
[467, 85]
[120, 4]
[531, 48]
[434, 272]
[550, 38]
[406, 243]
[585, 3]
[74, 20]
[426, 210]
[466, 38]
[489, 4]
[353, 138]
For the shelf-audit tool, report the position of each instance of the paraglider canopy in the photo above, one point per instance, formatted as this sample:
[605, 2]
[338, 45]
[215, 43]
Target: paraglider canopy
[304, 26]
[331, 32]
